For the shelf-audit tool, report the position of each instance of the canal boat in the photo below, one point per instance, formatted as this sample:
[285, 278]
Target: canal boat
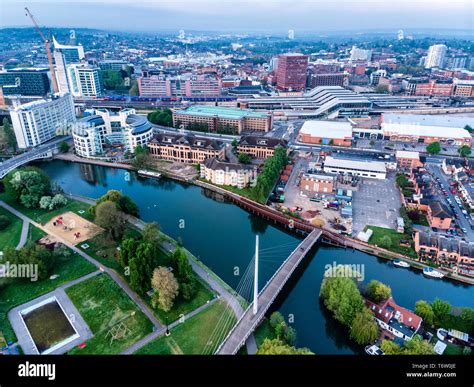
[430, 272]
[373, 350]
[401, 264]
[143, 172]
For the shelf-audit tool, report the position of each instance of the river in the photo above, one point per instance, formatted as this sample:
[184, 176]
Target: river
[222, 235]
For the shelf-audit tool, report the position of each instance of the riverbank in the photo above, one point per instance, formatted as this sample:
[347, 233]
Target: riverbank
[288, 222]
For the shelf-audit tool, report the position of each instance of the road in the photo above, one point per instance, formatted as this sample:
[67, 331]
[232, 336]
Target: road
[436, 172]
[25, 157]
[24, 234]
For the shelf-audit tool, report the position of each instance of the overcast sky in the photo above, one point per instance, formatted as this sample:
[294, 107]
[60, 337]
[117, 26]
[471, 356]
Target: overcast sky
[242, 15]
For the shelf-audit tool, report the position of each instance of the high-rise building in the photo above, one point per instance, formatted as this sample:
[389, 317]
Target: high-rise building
[360, 54]
[84, 80]
[291, 34]
[64, 55]
[25, 82]
[39, 121]
[291, 72]
[180, 86]
[436, 55]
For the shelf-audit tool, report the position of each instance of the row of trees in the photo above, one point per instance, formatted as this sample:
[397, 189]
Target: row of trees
[342, 297]
[9, 135]
[123, 202]
[435, 148]
[271, 170]
[162, 117]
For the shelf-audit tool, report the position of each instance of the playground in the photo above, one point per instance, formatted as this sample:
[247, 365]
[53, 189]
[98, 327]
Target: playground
[72, 228]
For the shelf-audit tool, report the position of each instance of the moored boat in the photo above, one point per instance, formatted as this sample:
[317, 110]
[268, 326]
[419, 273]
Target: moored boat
[430, 272]
[401, 263]
[143, 172]
[373, 350]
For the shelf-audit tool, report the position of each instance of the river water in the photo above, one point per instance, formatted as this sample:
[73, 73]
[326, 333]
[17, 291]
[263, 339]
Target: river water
[222, 235]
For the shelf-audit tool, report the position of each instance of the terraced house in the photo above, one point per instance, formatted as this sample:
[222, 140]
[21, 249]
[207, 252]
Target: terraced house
[451, 253]
[185, 148]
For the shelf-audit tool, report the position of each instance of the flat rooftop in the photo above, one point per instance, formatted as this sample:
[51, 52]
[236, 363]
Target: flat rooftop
[407, 155]
[353, 163]
[224, 112]
[439, 120]
[327, 129]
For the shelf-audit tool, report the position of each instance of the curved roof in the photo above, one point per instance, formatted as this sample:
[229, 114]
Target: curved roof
[94, 120]
[138, 123]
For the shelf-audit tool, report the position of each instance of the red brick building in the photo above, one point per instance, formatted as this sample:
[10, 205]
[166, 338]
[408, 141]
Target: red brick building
[291, 71]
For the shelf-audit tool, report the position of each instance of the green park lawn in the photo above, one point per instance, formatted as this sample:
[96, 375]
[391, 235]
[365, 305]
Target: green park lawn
[42, 216]
[103, 305]
[103, 248]
[18, 292]
[10, 236]
[395, 237]
[192, 336]
[181, 306]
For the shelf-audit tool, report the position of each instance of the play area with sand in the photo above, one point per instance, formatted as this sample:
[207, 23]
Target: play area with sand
[73, 228]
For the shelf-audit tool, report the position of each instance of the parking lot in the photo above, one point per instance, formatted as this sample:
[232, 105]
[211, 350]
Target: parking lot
[377, 203]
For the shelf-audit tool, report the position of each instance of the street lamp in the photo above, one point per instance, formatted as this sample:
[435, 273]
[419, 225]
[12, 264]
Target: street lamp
[167, 328]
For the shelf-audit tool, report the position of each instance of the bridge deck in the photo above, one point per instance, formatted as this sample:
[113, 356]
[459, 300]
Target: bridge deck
[248, 322]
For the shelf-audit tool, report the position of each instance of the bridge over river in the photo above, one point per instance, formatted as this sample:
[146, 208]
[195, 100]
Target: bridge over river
[249, 321]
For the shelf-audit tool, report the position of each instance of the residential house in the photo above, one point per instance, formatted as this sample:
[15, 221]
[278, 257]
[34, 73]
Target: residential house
[224, 173]
[260, 147]
[439, 215]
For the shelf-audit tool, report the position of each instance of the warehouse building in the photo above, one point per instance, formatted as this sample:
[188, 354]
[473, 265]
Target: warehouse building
[355, 167]
[426, 129]
[337, 133]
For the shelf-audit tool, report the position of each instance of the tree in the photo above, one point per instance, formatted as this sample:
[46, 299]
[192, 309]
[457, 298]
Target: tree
[134, 90]
[235, 143]
[276, 318]
[434, 148]
[57, 200]
[111, 219]
[424, 310]
[4, 222]
[151, 234]
[364, 329]
[341, 296]
[128, 206]
[390, 348]
[244, 158]
[10, 134]
[123, 202]
[418, 346]
[64, 147]
[141, 268]
[128, 250]
[27, 186]
[440, 309]
[378, 291]
[45, 202]
[290, 335]
[166, 288]
[467, 127]
[180, 263]
[278, 347]
[464, 151]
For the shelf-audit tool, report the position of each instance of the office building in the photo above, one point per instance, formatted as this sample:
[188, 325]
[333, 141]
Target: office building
[64, 55]
[221, 119]
[180, 86]
[112, 64]
[463, 88]
[291, 72]
[436, 55]
[187, 149]
[84, 80]
[39, 121]
[25, 82]
[260, 147]
[231, 174]
[104, 130]
[328, 79]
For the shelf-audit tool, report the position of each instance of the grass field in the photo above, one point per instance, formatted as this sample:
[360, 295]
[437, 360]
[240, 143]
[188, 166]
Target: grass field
[34, 233]
[10, 236]
[181, 306]
[43, 216]
[103, 304]
[395, 237]
[18, 292]
[192, 336]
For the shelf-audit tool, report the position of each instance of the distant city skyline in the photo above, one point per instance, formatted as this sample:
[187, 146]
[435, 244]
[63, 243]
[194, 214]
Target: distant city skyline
[277, 16]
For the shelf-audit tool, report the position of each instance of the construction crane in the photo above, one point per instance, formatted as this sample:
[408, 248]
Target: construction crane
[48, 50]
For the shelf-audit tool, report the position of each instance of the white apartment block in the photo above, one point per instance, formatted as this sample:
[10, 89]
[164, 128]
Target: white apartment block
[436, 55]
[39, 121]
[84, 80]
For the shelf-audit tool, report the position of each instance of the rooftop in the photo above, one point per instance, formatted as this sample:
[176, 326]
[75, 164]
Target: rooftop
[407, 155]
[437, 120]
[267, 142]
[327, 129]
[223, 112]
[191, 140]
[440, 210]
[216, 164]
[352, 163]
